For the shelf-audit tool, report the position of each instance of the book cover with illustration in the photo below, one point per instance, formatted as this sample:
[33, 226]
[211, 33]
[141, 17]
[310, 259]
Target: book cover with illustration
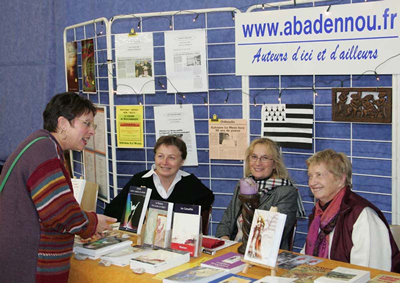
[288, 260]
[71, 62]
[159, 260]
[186, 228]
[306, 273]
[345, 274]
[88, 66]
[385, 278]
[196, 274]
[102, 246]
[233, 278]
[230, 262]
[265, 237]
[135, 209]
[159, 223]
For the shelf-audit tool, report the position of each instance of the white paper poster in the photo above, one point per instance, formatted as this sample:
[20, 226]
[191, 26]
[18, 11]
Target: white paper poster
[178, 120]
[96, 155]
[185, 61]
[134, 59]
[348, 39]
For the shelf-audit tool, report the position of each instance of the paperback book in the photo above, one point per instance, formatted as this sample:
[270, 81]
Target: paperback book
[275, 279]
[88, 66]
[123, 257]
[344, 274]
[230, 262]
[209, 246]
[306, 273]
[159, 260]
[186, 228]
[78, 185]
[233, 278]
[265, 237]
[159, 223]
[385, 278]
[71, 62]
[135, 209]
[196, 274]
[288, 260]
[102, 246]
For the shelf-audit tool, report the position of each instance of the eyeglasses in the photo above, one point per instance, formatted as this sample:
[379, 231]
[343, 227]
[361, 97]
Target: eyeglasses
[263, 159]
[88, 124]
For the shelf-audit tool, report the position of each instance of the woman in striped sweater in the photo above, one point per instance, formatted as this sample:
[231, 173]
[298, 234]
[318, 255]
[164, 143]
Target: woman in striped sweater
[38, 212]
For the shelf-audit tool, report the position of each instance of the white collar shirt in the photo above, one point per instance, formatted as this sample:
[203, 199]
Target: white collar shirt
[157, 182]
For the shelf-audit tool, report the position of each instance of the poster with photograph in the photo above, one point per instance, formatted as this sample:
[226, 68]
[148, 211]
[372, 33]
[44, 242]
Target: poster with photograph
[178, 120]
[71, 62]
[134, 59]
[185, 61]
[88, 66]
[227, 139]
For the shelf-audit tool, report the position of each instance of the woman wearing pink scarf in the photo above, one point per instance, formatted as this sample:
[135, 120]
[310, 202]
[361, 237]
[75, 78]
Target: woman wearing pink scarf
[344, 226]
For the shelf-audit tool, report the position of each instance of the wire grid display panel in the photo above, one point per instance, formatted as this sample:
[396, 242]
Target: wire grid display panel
[224, 97]
[95, 30]
[368, 145]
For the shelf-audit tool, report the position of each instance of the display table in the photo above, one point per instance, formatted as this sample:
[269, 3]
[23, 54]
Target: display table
[90, 271]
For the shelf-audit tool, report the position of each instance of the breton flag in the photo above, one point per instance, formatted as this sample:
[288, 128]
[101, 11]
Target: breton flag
[290, 125]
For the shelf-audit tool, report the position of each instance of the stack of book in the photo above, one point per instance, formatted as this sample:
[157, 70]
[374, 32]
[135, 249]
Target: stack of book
[96, 249]
[158, 260]
[123, 257]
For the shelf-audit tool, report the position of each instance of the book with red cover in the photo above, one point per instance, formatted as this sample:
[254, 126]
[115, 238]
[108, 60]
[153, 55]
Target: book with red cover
[231, 262]
[186, 228]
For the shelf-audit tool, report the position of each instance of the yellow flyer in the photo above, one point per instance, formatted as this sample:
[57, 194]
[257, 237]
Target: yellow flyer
[130, 126]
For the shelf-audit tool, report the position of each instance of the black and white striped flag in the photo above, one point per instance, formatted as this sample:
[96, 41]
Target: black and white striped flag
[290, 125]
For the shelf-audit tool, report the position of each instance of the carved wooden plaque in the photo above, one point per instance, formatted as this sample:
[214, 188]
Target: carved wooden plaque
[372, 105]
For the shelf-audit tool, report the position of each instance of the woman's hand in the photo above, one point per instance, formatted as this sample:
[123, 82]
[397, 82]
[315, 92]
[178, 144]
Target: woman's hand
[224, 238]
[103, 224]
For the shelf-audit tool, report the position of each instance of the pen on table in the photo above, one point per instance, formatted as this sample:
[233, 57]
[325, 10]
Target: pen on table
[208, 252]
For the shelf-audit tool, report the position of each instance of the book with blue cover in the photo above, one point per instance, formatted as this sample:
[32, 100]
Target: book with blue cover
[233, 278]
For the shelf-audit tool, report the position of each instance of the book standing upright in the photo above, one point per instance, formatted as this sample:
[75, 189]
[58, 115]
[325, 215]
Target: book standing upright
[159, 223]
[186, 228]
[135, 210]
[264, 239]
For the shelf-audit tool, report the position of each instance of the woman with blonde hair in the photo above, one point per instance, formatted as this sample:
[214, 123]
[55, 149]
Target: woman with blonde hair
[264, 164]
[344, 226]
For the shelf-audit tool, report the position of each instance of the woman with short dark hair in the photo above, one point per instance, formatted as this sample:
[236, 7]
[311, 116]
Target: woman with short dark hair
[166, 180]
[39, 215]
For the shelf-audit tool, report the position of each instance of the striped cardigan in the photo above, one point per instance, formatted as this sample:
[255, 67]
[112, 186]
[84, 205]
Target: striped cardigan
[39, 215]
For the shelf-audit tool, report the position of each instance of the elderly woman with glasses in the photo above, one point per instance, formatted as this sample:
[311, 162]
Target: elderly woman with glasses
[265, 165]
[344, 226]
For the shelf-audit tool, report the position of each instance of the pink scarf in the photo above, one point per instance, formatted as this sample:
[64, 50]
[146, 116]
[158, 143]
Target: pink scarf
[317, 241]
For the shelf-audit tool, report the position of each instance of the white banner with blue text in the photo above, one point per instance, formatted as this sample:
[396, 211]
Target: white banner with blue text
[358, 38]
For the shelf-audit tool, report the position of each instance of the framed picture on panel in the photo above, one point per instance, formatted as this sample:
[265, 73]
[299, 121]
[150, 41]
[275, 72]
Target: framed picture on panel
[373, 105]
